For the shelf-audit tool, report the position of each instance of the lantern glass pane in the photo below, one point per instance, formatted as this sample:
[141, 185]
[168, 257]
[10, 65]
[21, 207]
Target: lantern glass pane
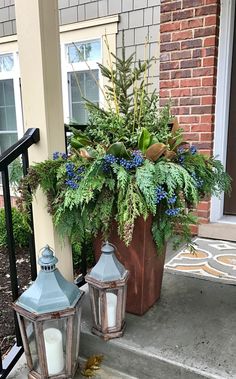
[76, 336]
[54, 332]
[111, 303]
[97, 308]
[30, 332]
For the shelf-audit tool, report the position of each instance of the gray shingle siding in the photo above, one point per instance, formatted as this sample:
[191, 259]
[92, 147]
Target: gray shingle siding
[139, 19]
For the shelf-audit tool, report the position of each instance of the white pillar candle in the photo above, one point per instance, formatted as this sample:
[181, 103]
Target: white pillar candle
[54, 350]
[111, 309]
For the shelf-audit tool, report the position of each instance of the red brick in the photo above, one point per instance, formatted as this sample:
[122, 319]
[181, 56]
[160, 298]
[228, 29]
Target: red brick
[183, 15]
[206, 136]
[210, 41]
[169, 84]
[170, 46]
[189, 119]
[189, 63]
[202, 127]
[169, 66]
[202, 215]
[164, 75]
[192, 3]
[164, 93]
[164, 57]
[202, 91]
[175, 55]
[204, 32]
[191, 24]
[169, 27]
[190, 101]
[182, 35]
[207, 118]
[165, 37]
[197, 53]
[208, 100]
[207, 10]
[191, 137]
[181, 110]
[206, 71]
[191, 44]
[207, 2]
[171, 6]
[211, 61]
[211, 51]
[204, 145]
[165, 17]
[178, 74]
[209, 81]
[180, 92]
[190, 82]
[201, 110]
[211, 20]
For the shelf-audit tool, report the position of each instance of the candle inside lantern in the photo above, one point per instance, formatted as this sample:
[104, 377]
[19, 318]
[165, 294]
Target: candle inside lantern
[111, 309]
[54, 350]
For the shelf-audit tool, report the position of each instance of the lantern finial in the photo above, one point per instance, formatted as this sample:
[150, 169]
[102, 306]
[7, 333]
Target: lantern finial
[47, 261]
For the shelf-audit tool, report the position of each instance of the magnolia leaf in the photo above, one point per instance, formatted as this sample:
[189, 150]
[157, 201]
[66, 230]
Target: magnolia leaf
[86, 153]
[118, 149]
[155, 151]
[144, 140]
[169, 154]
[79, 141]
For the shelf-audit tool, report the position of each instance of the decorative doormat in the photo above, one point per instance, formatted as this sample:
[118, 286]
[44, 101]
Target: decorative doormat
[213, 259]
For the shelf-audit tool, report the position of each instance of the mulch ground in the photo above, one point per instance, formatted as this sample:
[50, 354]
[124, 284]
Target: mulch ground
[7, 337]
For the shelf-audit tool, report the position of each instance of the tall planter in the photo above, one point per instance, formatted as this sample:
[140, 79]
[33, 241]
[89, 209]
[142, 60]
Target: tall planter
[144, 263]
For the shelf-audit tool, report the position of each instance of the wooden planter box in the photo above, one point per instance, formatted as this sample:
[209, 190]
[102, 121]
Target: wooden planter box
[144, 264]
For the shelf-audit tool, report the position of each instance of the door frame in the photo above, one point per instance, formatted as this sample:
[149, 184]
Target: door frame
[223, 95]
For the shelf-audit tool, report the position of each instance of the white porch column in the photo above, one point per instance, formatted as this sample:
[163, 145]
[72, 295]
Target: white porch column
[40, 67]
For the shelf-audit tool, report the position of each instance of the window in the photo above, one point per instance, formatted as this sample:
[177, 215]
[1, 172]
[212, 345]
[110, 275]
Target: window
[82, 78]
[10, 107]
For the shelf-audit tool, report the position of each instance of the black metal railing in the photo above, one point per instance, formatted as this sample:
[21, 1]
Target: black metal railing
[20, 148]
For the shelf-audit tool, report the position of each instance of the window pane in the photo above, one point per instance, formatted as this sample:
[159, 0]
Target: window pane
[7, 140]
[6, 62]
[84, 51]
[7, 106]
[85, 86]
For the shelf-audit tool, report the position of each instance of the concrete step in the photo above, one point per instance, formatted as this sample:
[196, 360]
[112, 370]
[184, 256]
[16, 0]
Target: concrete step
[20, 371]
[188, 334]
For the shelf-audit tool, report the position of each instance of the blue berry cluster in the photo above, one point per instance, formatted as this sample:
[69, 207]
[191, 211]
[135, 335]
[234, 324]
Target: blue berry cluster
[56, 155]
[136, 161]
[172, 212]
[74, 176]
[180, 152]
[199, 181]
[193, 150]
[172, 199]
[160, 194]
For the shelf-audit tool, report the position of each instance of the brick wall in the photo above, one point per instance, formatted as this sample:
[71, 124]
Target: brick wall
[189, 42]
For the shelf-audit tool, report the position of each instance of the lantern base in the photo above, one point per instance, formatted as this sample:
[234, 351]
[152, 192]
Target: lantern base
[110, 335]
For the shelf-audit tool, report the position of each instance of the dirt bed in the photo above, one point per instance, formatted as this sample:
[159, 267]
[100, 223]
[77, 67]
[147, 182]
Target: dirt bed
[7, 337]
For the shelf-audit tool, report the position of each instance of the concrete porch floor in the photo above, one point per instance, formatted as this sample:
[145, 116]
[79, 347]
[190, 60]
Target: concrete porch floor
[188, 334]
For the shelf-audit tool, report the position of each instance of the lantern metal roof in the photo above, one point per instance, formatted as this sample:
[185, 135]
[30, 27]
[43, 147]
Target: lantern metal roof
[108, 268]
[50, 292]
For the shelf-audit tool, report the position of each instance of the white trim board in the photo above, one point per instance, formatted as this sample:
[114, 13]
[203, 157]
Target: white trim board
[223, 94]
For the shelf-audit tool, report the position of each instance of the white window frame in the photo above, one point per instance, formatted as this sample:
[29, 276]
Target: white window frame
[75, 67]
[104, 29]
[14, 74]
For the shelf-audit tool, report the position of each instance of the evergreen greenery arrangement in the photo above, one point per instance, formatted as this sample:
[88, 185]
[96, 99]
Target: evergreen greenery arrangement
[130, 161]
